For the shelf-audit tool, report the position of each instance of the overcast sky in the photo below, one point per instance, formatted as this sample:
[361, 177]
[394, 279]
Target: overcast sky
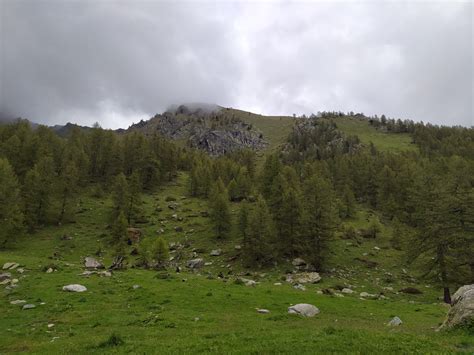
[117, 62]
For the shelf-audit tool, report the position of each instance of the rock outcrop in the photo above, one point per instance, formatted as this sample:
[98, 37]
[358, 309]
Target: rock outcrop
[303, 309]
[462, 308]
[215, 131]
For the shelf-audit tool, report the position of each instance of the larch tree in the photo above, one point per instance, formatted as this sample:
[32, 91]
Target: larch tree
[11, 215]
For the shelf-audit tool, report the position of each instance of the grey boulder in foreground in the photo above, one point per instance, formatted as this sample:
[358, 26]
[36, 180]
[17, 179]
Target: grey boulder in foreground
[304, 309]
[74, 288]
[462, 308]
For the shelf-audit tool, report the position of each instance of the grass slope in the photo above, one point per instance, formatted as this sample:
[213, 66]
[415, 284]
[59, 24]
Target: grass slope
[198, 312]
[366, 133]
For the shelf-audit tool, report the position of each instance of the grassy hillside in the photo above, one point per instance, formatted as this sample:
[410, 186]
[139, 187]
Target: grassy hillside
[201, 312]
[275, 129]
[366, 133]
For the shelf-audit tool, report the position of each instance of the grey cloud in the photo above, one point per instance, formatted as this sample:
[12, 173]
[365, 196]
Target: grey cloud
[120, 61]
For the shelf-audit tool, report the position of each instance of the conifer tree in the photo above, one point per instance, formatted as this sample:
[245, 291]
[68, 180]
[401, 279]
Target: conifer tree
[233, 190]
[38, 192]
[259, 235]
[67, 185]
[134, 197]
[160, 253]
[120, 196]
[219, 210]
[318, 220]
[11, 215]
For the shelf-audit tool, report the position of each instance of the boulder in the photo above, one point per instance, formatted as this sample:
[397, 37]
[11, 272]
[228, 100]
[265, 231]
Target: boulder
[5, 276]
[298, 262]
[395, 322]
[10, 266]
[347, 291]
[15, 302]
[305, 277]
[28, 306]
[74, 288]
[248, 282]
[195, 263]
[216, 252]
[367, 295]
[462, 308]
[304, 309]
[299, 287]
[92, 263]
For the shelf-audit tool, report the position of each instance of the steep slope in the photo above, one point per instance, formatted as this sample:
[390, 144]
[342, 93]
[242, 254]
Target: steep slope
[217, 131]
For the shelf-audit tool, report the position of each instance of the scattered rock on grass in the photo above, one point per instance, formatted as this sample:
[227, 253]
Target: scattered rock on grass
[216, 252]
[28, 306]
[15, 302]
[92, 263]
[395, 322]
[304, 309]
[195, 263]
[462, 310]
[263, 310]
[347, 290]
[5, 276]
[10, 266]
[74, 288]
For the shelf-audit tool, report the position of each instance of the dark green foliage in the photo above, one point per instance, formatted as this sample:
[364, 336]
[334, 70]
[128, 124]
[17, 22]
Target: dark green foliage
[11, 215]
[259, 236]
[319, 220]
[219, 210]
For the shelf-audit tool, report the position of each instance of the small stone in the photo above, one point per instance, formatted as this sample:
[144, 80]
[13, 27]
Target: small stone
[209, 263]
[395, 322]
[347, 290]
[29, 306]
[49, 271]
[376, 248]
[263, 311]
[17, 302]
[298, 262]
[237, 247]
[5, 276]
[50, 325]
[136, 287]
[10, 266]
[105, 273]
[304, 309]
[277, 284]
[299, 287]
[14, 281]
[216, 252]
[74, 288]
[92, 263]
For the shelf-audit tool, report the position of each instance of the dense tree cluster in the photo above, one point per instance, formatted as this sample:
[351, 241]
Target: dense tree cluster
[41, 173]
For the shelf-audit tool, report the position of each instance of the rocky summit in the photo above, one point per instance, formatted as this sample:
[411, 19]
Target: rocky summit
[217, 131]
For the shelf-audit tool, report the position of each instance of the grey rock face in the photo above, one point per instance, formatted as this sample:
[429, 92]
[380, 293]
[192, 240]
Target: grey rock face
[395, 322]
[92, 263]
[462, 308]
[74, 288]
[5, 276]
[195, 263]
[303, 309]
[215, 132]
[216, 252]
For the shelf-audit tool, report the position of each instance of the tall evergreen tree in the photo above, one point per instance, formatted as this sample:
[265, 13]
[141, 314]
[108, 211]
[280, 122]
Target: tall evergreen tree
[219, 210]
[11, 215]
[318, 221]
[38, 192]
[257, 243]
